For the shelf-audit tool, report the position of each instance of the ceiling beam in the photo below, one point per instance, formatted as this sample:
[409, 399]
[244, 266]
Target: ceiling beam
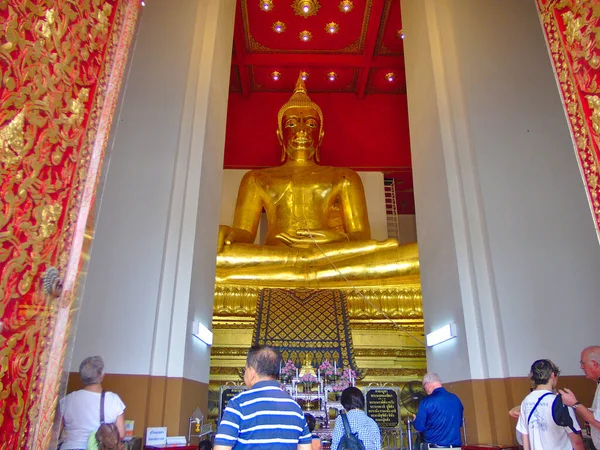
[370, 42]
[317, 60]
[240, 51]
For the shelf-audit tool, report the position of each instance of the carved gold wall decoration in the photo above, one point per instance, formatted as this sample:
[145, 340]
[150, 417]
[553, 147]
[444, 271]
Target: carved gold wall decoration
[571, 28]
[402, 302]
[61, 67]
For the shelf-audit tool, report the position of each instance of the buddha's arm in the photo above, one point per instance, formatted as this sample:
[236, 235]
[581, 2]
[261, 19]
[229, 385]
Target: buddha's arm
[353, 205]
[247, 214]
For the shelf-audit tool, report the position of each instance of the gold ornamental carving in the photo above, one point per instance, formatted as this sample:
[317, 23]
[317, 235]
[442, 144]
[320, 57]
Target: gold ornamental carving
[61, 65]
[571, 28]
[232, 303]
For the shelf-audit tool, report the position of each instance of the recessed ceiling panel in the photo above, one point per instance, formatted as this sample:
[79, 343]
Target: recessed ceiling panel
[282, 30]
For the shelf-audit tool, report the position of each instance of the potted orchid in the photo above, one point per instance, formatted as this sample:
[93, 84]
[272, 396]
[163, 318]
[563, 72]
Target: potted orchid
[288, 371]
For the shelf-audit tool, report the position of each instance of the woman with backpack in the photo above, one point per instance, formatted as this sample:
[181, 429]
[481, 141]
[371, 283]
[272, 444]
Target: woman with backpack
[81, 410]
[354, 429]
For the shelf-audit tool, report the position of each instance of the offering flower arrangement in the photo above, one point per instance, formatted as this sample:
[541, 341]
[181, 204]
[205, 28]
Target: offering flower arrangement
[308, 378]
[288, 371]
[327, 370]
[347, 379]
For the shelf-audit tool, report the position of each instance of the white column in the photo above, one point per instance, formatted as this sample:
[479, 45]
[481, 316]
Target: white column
[137, 310]
[507, 246]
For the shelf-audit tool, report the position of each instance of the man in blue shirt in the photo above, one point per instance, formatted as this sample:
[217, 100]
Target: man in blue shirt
[440, 415]
[264, 416]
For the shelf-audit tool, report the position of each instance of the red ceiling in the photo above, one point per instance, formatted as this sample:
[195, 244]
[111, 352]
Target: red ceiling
[365, 114]
[365, 49]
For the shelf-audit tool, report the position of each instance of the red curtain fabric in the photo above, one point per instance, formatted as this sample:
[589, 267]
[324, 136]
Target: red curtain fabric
[572, 30]
[61, 64]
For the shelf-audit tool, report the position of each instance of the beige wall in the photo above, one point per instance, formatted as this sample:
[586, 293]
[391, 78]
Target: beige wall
[507, 244]
[487, 403]
[154, 401]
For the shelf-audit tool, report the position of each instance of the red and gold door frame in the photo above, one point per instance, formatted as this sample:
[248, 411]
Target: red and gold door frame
[572, 31]
[61, 65]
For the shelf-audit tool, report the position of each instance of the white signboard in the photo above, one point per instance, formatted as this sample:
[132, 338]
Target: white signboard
[156, 436]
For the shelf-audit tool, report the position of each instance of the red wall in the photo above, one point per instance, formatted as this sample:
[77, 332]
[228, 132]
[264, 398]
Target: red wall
[371, 134]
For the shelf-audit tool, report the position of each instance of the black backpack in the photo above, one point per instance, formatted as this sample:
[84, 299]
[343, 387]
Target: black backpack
[350, 440]
[560, 412]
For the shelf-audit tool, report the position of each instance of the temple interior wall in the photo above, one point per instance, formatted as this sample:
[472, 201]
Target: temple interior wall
[507, 245]
[151, 273]
[374, 193]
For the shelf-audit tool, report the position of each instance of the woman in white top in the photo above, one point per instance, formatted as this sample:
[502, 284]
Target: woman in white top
[81, 409]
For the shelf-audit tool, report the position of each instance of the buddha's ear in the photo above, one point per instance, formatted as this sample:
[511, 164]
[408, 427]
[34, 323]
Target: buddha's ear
[280, 139]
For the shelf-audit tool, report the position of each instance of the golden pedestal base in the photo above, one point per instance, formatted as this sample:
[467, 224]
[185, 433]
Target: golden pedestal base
[386, 349]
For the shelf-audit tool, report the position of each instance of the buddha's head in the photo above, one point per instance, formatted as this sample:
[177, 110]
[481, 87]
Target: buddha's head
[300, 125]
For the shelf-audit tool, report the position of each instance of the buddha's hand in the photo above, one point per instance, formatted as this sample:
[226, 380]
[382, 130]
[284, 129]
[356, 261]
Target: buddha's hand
[306, 238]
[225, 237]
[228, 235]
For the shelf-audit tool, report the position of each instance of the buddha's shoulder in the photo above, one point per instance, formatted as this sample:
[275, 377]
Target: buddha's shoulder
[261, 177]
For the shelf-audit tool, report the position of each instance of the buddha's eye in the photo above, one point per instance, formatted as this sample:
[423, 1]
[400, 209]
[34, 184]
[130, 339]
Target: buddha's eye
[290, 124]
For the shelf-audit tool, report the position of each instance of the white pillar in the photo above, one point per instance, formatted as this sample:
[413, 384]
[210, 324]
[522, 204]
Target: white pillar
[506, 242]
[157, 224]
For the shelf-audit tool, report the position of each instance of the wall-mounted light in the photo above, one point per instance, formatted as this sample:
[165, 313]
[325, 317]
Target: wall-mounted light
[440, 335]
[275, 75]
[203, 333]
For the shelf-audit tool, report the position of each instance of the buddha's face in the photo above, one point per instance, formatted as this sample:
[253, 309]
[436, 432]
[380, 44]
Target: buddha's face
[300, 132]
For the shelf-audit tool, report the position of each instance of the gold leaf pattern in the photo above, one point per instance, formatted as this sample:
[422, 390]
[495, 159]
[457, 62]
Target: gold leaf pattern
[55, 60]
[572, 29]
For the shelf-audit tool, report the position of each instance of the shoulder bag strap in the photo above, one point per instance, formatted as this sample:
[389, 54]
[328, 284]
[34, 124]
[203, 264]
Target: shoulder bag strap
[347, 428]
[102, 407]
[536, 405]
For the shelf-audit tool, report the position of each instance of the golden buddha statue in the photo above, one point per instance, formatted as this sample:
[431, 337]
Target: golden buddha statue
[318, 230]
[307, 367]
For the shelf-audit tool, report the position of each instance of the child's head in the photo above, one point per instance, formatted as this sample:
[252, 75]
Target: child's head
[206, 444]
[310, 421]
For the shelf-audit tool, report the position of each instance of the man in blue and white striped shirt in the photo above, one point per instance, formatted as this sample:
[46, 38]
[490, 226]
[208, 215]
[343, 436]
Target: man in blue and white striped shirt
[264, 416]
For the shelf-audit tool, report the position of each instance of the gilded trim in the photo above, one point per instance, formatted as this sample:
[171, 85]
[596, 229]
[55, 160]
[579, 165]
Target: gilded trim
[571, 31]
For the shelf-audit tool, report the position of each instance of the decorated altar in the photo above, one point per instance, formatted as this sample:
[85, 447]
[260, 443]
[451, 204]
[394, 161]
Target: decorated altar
[314, 284]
